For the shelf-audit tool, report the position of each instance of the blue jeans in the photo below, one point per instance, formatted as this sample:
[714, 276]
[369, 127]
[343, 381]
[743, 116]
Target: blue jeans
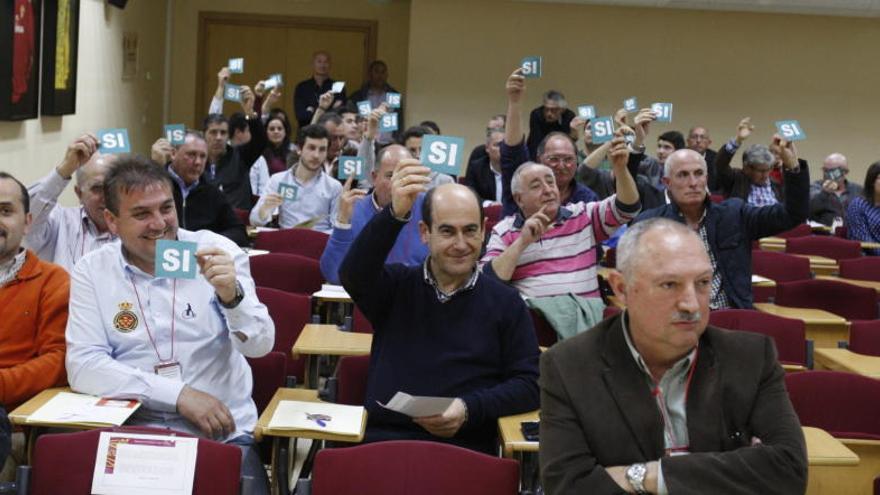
[251, 465]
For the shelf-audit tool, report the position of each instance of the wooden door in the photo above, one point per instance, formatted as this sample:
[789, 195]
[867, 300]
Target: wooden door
[279, 44]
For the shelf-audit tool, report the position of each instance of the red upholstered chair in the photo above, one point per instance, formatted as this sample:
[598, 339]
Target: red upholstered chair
[716, 198]
[840, 232]
[407, 467]
[864, 337]
[290, 312]
[846, 405]
[269, 374]
[849, 301]
[361, 324]
[788, 334]
[287, 272]
[68, 460]
[824, 245]
[864, 268]
[779, 267]
[801, 230]
[304, 242]
[493, 213]
[351, 380]
[546, 334]
[243, 215]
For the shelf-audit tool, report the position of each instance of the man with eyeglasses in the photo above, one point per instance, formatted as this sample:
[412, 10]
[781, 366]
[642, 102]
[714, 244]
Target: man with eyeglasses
[556, 151]
[549, 250]
[698, 139]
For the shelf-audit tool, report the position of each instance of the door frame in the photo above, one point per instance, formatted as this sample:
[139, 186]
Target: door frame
[370, 29]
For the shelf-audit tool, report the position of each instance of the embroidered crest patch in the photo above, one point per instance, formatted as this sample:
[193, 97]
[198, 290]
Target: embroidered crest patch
[125, 320]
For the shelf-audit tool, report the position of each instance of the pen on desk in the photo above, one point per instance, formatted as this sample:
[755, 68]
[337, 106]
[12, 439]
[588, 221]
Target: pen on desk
[320, 419]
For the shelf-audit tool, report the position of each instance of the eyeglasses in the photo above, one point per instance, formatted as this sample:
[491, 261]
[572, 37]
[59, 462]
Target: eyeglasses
[557, 159]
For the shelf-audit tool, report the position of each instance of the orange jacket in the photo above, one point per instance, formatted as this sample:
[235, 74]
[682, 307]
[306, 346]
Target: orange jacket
[33, 316]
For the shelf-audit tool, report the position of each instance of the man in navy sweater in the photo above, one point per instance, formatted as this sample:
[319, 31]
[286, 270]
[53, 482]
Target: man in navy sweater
[441, 329]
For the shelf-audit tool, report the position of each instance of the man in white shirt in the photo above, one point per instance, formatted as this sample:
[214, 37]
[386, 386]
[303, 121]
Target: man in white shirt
[316, 194]
[177, 345]
[64, 234]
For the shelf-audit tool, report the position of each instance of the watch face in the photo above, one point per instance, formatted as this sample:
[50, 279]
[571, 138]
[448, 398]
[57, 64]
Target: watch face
[637, 472]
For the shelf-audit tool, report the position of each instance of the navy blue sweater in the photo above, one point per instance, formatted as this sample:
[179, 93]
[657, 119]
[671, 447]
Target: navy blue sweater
[480, 345]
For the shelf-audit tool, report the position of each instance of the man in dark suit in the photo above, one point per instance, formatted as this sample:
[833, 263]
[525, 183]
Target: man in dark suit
[654, 401]
[484, 174]
[698, 139]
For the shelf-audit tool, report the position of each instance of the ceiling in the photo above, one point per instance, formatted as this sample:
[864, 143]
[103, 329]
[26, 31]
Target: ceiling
[847, 8]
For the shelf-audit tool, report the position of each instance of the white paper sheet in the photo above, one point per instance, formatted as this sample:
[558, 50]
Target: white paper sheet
[757, 278]
[318, 416]
[137, 464]
[332, 291]
[417, 407]
[69, 407]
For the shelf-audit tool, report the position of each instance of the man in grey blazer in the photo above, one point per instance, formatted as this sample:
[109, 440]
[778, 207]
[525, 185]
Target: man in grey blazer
[654, 401]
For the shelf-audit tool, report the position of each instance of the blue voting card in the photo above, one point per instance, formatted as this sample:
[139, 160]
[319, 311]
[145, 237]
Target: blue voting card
[351, 165]
[631, 104]
[442, 153]
[393, 100]
[790, 130]
[236, 65]
[602, 129]
[175, 133]
[663, 111]
[586, 111]
[532, 67]
[388, 122]
[364, 108]
[288, 192]
[176, 259]
[114, 141]
[232, 92]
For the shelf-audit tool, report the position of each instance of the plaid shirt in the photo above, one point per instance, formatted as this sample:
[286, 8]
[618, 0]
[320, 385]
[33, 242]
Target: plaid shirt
[442, 296]
[762, 195]
[718, 299]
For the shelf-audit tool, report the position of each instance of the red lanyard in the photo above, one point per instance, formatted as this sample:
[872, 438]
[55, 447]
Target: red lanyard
[147, 326]
[664, 414]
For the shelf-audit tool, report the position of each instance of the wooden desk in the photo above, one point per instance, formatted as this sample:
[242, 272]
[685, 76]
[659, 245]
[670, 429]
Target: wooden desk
[328, 340]
[825, 450]
[823, 328]
[21, 413]
[820, 265]
[514, 445]
[262, 429]
[871, 284]
[846, 360]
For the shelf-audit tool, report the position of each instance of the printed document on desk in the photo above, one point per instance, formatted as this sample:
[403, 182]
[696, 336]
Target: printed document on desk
[137, 464]
[417, 407]
[325, 417]
[69, 407]
[331, 291]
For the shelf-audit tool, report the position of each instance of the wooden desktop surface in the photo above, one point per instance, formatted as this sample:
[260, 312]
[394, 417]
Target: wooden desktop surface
[823, 328]
[305, 395]
[871, 284]
[328, 340]
[846, 360]
[21, 413]
[512, 438]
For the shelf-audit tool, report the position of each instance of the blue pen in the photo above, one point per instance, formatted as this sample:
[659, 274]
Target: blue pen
[320, 419]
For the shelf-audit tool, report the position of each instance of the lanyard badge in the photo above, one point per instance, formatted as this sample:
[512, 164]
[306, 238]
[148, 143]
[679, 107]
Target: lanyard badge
[171, 370]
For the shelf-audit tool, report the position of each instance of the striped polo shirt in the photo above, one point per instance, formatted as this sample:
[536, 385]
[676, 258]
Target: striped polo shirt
[563, 260]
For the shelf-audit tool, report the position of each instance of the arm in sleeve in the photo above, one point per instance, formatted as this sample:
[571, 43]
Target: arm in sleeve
[769, 220]
[91, 368]
[338, 244]
[43, 198]
[301, 103]
[252, 150]
[777, 465]
[367, 151]
[250, 318]
[259, 176]
[518, 392]
[856, 225]
[363, 272]
[271, 186]
[568, 465]
[512, 156]
[724, 173]
[608, 215]
[45, 368]
[216, 104]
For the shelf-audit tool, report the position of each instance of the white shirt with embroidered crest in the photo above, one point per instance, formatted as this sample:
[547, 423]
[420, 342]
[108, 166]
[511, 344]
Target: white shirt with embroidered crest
[110, 354]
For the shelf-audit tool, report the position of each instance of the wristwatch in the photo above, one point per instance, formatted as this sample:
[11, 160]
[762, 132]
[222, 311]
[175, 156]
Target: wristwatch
[635, 474]
[239, 295]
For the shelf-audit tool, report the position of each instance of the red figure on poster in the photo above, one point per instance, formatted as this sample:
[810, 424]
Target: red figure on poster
[22, 49]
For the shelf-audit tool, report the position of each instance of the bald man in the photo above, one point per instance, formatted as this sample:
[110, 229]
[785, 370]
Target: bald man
[440, 329]
[830, 195]
[656, 401]
[60, 234]
[727, 229]
[357, 207]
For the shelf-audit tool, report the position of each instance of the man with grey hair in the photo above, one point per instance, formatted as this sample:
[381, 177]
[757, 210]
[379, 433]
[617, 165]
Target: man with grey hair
[552, 116]
[64, 234]
[656, 401]
[752, 183]
[830, 195]
[727, 229]
[549, 249]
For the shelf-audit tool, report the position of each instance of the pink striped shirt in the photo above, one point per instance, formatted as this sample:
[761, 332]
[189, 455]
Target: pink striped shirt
[564, 259]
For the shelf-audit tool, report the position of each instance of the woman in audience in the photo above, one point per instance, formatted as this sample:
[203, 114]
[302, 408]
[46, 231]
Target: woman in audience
[863, 213]
[278, 149]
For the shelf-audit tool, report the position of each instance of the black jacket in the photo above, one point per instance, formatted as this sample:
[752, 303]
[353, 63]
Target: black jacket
[231, 173]
[480, 178]
[206, 208]
[733, 182]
